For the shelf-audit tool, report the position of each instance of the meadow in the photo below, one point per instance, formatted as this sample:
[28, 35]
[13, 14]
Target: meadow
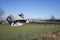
[27, 31]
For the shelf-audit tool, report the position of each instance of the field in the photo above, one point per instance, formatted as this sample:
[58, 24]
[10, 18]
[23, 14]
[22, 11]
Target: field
[27, 31]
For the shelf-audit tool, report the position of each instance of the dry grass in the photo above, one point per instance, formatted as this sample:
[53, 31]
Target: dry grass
[53, 36]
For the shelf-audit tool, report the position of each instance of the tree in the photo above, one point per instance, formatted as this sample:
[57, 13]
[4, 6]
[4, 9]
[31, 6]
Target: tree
[53, 17]
[1, 14]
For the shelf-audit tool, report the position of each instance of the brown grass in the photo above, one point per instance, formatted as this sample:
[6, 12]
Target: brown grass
[53, 36]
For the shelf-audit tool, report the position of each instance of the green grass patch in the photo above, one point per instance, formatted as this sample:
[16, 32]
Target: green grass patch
[24, 32]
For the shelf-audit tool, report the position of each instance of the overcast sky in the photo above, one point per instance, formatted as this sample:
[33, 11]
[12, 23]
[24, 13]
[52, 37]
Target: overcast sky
[32, 8]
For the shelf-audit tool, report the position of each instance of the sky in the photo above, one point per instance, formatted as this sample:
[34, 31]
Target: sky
[32, 8]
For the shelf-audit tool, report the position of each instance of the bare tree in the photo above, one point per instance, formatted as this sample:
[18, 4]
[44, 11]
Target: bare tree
[53, 17]
[1, 14]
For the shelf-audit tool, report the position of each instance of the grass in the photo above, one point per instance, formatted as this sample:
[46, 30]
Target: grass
[26, 31]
